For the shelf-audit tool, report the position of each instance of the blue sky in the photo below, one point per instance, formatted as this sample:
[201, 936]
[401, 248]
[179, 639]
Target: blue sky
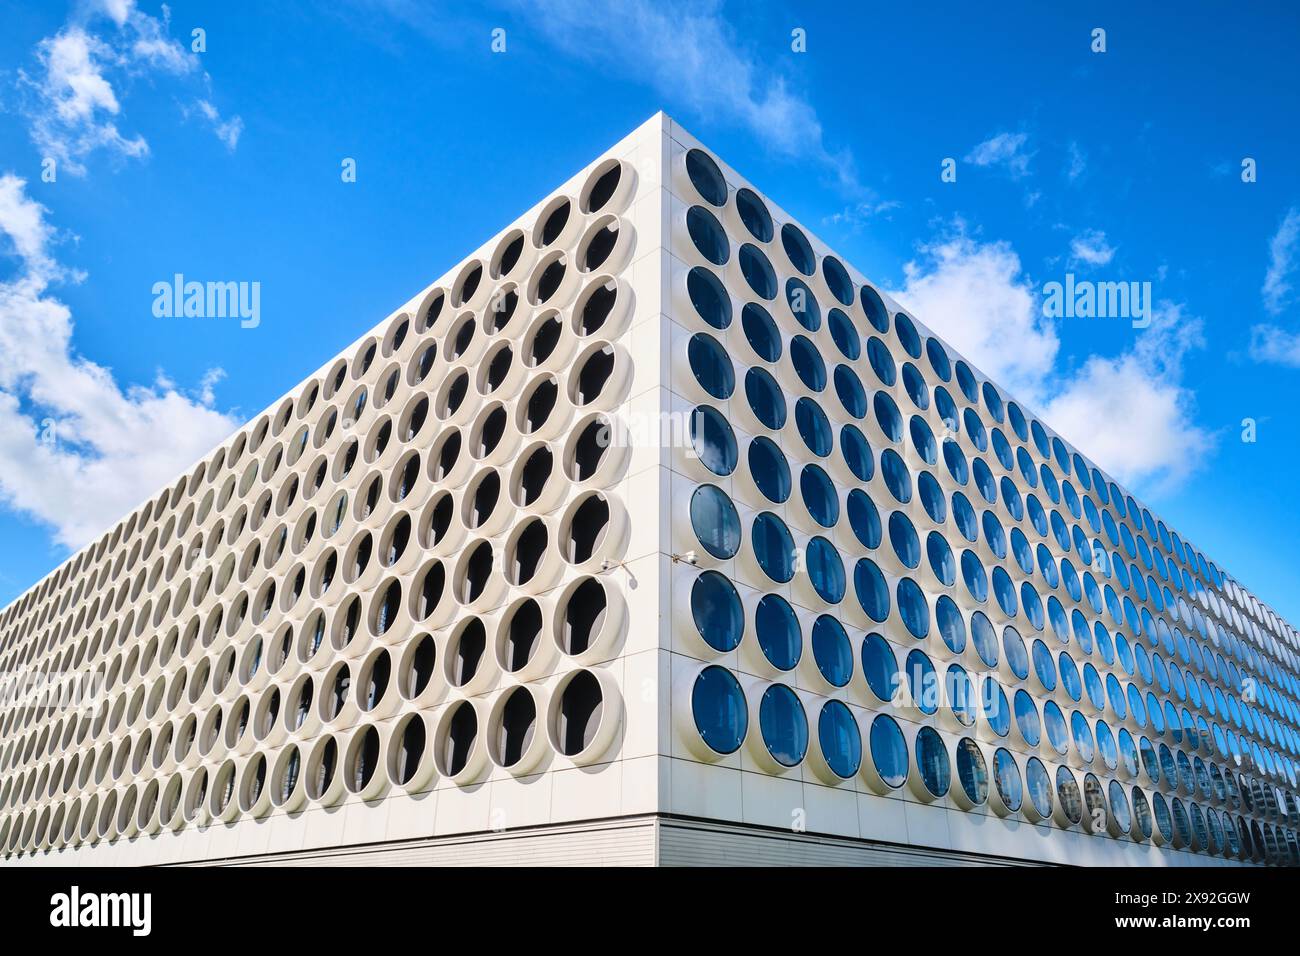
[225, 165]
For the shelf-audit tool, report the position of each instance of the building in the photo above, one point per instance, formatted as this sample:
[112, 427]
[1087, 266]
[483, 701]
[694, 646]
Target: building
[651, 532]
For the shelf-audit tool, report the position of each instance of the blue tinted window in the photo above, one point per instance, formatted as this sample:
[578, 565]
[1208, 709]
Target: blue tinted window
[819, 496]
[931, 492]
[897, 478]
[717, 612]
[831, 651]
[715, 521]
[1054, 721]
[713, 440]
[966, 380]
[952, 626]
[768, 466]
[1013, 646]
[803, 304]
[718, 706]
[882, 363]
[913, 609]
[889, 751]
[1027, 722]
[914, 383]
[760, 332]
[758, 271]
[814, 427]
[850, 392]
[942, 562]
[777, 630]
[765, 398]
[972, 773]
[773, 547]
[840, 739]
[864, 519]
[902, 535]
[754, 214]
[826, 570]
[844, 334]
[837, 280]
[797, 249]
[707, 234]
[962, 698]
[808, 363]
[709, 297]
[1006, 776]
[922, 682]
[923, 439]
[984, 638]
[857, 453]
[1039, 784]
[906, 332]
[873, 593]
[996, 709]
[1044, 666]
[938, 357]
[956, 461]
[932, 761]
[874, 307]
[879, 666]
[891, 422]
[784, 725]
[706, 177]
[712, 367]
[972, 572]
[964, 515]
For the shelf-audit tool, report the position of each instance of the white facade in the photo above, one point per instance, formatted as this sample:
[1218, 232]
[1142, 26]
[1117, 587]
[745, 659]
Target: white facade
[497, 650]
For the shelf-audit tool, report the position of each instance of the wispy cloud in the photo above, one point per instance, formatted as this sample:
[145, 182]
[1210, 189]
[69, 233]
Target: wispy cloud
[1282, 250]
[72, 102]
[857, 215]
[689, 54]
[1091, 248]
[1130, 412]
[1006, 150]
[228, 131]
[1277, 346]
[1076, 164]
[78, 450]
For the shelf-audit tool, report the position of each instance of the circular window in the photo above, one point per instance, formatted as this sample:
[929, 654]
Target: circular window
[717, 611]
[932, 761]
[832, 652]
[715, 521]
[754, 214]
[718, 708]
[1006, 776]
[803, 304]
[709, 297]
[880, 667]
[777, 630]
[765, 399]
[784, 725]
[711, 366]
[889, 751]
[706, 177]
[713, 441]
[757, 271]
[769, 469]
[707, 234]
[761, 332]
[798, 249]
[773, 547]
[972, 772]
[840, 739]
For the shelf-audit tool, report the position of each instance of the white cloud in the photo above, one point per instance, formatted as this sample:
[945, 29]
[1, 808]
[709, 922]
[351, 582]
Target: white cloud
[974, 295]
[78, 450]
[1282, 249]
[74, 105]
[1091, 248]
[1129, 413]
[1004, 149]
[228, 131]
[689, 54]
[1078, 163]
[1268, 343]
[856, 216]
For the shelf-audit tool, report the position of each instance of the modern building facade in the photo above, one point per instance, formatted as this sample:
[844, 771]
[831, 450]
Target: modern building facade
[649, 533]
